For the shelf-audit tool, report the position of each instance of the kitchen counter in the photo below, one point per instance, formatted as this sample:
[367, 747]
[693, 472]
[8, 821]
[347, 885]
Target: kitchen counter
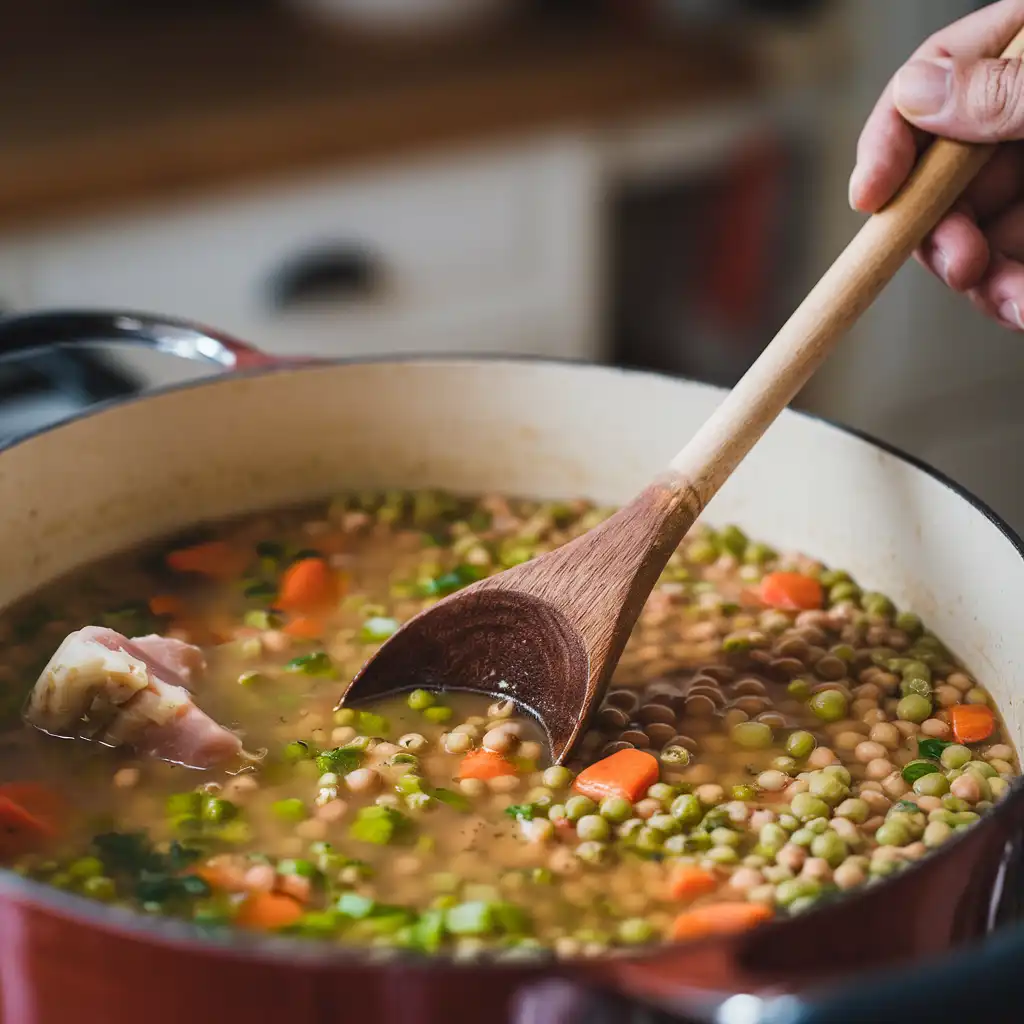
[159, 109]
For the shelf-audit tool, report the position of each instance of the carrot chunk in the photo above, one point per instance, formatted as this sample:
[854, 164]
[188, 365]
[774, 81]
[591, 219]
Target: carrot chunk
[626, 773]
[719, 919]
[218, 874]
[791, 591]
[307, 586]
[268, 911]
[215, 558]
[305, 628]
[972, 723]
[485, 764]
[688, 882]
[30, 816]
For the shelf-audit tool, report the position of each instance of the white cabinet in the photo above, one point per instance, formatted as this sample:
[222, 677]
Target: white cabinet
[490, 252]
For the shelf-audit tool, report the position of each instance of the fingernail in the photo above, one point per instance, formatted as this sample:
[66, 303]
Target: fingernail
[941, 261]
[923, 87]
[856, 183]
[1009, 313]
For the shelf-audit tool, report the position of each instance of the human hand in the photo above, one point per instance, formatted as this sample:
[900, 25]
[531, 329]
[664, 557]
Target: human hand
[951, 87]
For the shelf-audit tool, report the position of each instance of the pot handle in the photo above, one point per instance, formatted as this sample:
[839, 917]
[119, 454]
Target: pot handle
[32, 332]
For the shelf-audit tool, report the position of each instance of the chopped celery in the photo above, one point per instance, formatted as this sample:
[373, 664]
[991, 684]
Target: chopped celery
[472, 918]
[351, 904]
[377, 629]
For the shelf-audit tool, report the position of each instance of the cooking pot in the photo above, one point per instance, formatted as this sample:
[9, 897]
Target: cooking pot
[273, 433]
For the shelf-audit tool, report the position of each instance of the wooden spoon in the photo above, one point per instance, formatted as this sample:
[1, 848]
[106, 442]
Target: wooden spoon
[548, 633]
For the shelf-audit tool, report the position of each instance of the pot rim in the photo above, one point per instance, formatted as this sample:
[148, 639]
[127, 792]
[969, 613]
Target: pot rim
[302, 952]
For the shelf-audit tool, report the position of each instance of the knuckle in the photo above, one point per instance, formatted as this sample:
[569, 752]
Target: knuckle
[995, 95]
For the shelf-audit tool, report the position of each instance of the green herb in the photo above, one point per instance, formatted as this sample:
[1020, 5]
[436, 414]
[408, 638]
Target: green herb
[907, 806]
[932, 748]
[452, 799]
[180, 857]
[156, 877]
[318, 663]
[340, 760]
[915, 770]
[521, 812]
[127, 852]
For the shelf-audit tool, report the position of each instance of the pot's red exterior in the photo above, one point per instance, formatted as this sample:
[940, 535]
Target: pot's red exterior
[56, 969]
[77, 967]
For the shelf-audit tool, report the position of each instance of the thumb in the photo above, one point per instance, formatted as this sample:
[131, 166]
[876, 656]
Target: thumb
[977, 101]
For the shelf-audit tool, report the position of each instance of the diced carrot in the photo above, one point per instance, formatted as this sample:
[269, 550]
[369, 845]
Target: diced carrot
[305, 628]
[307, 586]
[485, 764]
[719, 919]
[215, 558]
[688, 882]
[626, 773]
[218, 874]
[791, 591]
[167, 604]
[268, 911]
[38, 799]
[972, 723]
[30, 818]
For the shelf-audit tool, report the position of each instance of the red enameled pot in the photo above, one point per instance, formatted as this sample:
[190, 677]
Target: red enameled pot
[275, 433]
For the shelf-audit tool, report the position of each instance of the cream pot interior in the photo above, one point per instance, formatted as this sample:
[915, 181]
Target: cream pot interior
[123, 474]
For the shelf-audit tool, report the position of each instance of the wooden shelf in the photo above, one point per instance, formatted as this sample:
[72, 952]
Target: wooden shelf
[162, 109]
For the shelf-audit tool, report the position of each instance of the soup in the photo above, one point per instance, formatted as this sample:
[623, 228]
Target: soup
[774, 736]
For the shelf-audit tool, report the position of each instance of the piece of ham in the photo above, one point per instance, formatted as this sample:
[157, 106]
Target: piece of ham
[133, 693]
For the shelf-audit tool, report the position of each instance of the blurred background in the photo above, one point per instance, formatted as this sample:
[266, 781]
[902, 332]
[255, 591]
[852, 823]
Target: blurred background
[650, 183]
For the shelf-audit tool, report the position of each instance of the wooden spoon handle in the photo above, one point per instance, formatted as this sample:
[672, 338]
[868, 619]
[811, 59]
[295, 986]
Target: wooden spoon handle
[854, 281]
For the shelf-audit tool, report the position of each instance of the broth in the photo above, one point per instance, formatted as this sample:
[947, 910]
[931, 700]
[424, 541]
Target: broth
[774, 736]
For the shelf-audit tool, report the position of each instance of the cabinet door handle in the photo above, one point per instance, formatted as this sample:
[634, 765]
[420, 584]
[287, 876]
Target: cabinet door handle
[325, 274]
